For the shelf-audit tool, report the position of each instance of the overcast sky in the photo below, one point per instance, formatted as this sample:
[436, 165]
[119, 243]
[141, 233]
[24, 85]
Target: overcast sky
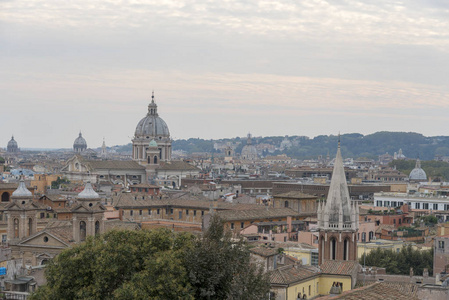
[221, 68]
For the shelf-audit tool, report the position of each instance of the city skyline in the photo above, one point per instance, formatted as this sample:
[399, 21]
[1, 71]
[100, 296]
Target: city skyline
[221, 69]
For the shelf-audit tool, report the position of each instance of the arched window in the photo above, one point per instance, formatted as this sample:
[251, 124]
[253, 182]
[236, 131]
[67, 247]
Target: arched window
[5, 197]
[333, 249]
[82, 231]
[371, 235]
[97, 228]
[346, 249]
[16, 228]
[363, 237]
[322, 247]
[286, 204]
[155, 160]
[30, 226]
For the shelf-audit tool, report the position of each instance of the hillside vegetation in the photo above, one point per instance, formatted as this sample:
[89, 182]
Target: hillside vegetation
[353, 145]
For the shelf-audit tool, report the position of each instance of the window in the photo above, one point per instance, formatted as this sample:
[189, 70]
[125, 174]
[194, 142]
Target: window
[363, 237]
[131, 212]
[30, 226]
[97, 227]
[435, 206]
[4, 238]
[16, 228]
[417, 205]
[314, 259]
[194, 213]
[286, 204]
[346, 249]
[425, 206]
[394, 221]
[232, 225]
[333, 249]
[187, 212]
[171, 211]
[140, 212]
[242, 224]
[180, 214]
[158, 211]
[149, 211]
[202, 212]
[45, 239]
[82, 231]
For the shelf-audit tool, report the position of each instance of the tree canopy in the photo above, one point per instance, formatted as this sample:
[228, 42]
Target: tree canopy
[399, 263]
[158, 264]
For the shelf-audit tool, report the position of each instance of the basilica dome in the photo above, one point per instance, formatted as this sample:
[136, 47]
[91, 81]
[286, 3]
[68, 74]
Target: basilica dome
[152, 125]
[418, 174]
[12, 145]
[80, 144]
[249, 152]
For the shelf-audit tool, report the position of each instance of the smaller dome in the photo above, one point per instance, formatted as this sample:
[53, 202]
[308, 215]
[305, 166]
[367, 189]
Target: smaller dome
[12, 145]
[418, 173]
[88, 192]
[153, 143]
[80, 143]
[22, 190]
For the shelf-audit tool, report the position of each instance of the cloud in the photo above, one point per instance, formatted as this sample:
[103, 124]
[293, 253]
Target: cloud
[411, 22]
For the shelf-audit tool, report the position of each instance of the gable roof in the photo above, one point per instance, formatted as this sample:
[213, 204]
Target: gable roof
[255, 214]
[176, 165]
[339, 267]
[378, 290]
[291, 274]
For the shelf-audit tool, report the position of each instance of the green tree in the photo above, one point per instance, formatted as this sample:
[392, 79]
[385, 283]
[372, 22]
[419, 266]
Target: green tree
[220, 267]
[121, 265]
[56, 184]
[400, 262]
[157, 264]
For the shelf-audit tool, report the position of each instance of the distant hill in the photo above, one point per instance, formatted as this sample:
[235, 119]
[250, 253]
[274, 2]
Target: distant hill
[353, 145]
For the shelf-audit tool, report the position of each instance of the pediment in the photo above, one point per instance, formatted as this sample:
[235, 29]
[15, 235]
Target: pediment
[43, 239]
[13, 206]
[80, 208]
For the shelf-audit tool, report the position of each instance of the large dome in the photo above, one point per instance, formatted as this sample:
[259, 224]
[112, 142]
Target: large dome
[80, 143]
[152, 125]
[417, 173]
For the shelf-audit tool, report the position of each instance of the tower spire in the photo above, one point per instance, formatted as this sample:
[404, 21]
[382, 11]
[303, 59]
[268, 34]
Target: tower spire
[152, 97]
[338, 140]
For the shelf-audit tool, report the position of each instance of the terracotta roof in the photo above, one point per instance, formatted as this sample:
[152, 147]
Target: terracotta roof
[65, 233]
[145, 185]
[271, 213]
[291, 274]
[339, 267]
[177, 165]
[375, 291]
[295, 195]
[385, 227]
[8, 185]
[114, 164]
[264, 251]
[120, 225]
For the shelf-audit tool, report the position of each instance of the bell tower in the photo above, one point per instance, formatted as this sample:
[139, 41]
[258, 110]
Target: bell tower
[338, 219]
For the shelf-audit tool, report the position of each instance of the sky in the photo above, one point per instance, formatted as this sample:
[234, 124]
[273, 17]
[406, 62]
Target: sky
[221, 68]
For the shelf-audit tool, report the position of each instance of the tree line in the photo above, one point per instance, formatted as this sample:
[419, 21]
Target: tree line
[399, 263]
